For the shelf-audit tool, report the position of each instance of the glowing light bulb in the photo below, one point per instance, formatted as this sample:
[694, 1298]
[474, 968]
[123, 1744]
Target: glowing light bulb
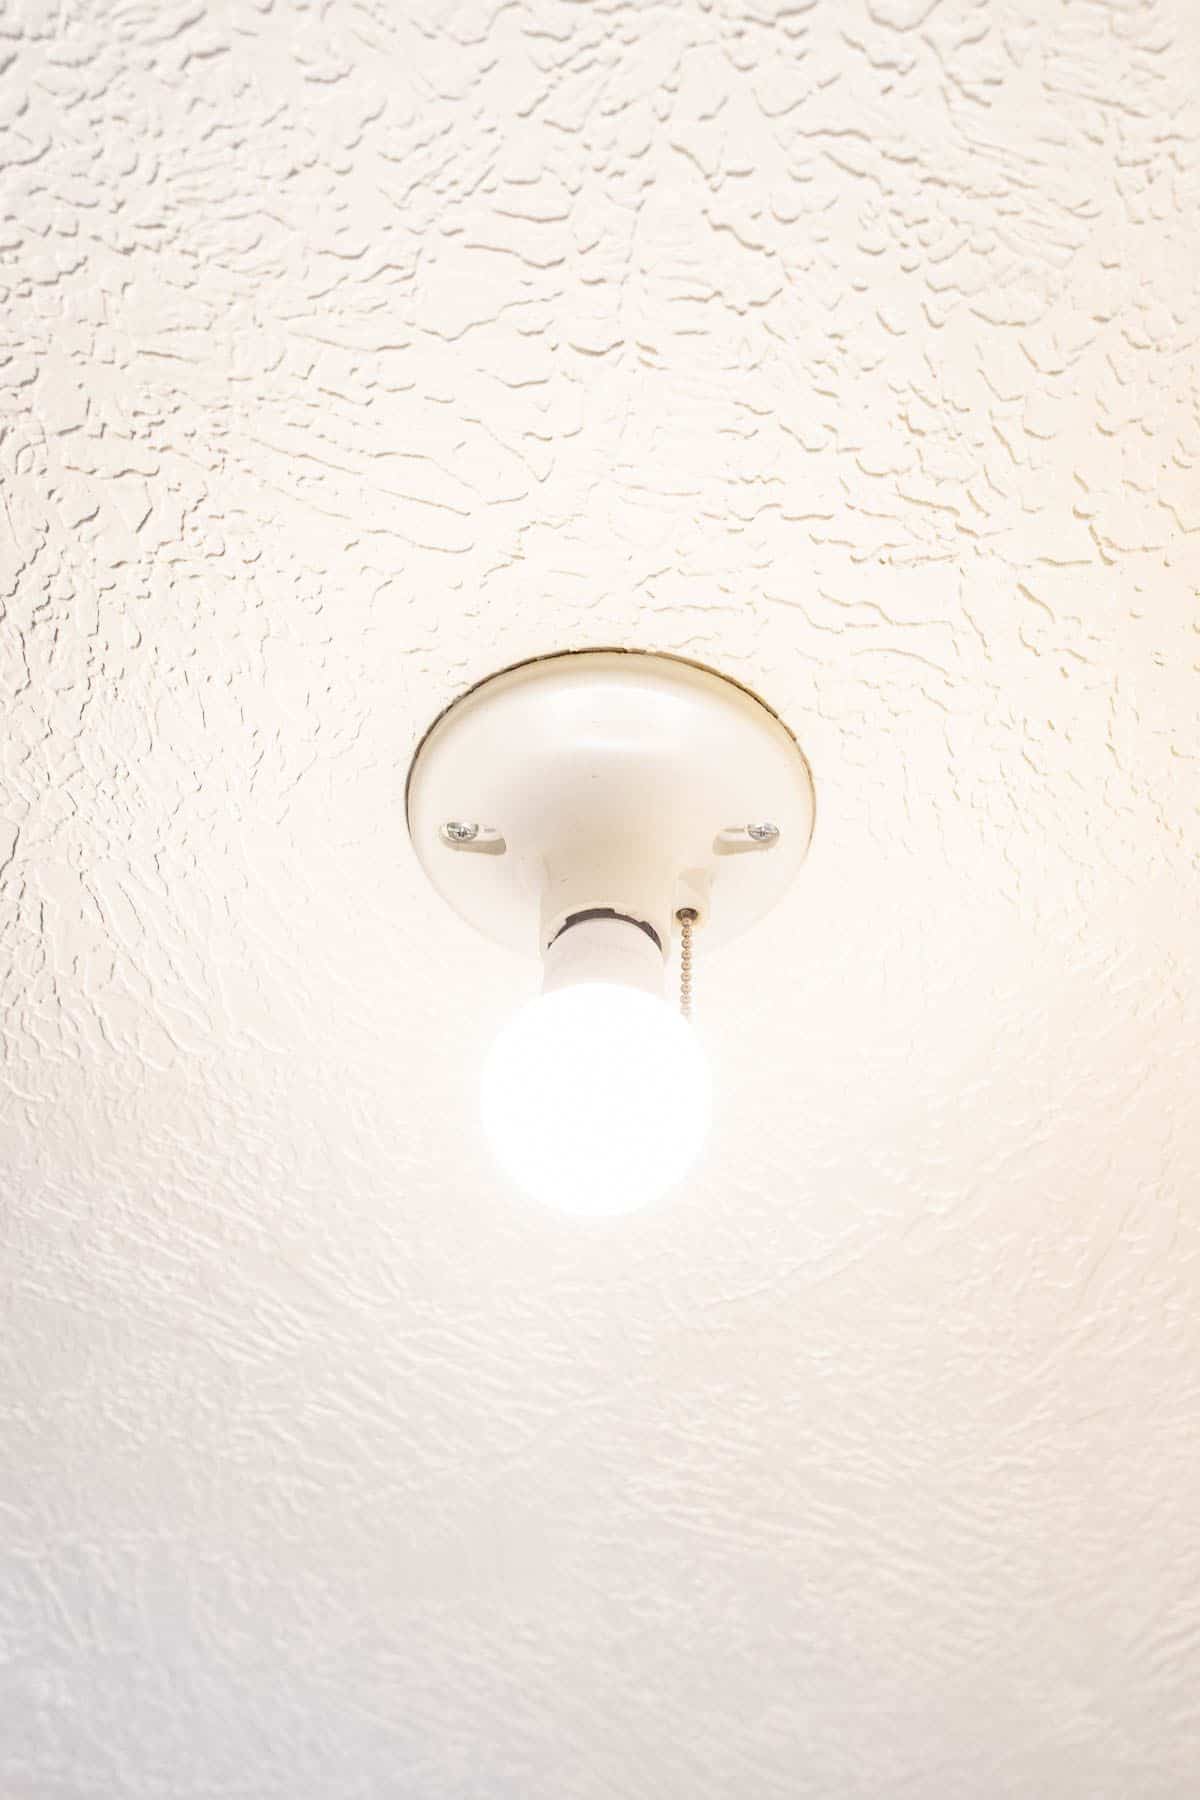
[596, 1098]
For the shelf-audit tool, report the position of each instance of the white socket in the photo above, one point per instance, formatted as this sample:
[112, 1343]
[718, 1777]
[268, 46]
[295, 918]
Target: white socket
[609, 779]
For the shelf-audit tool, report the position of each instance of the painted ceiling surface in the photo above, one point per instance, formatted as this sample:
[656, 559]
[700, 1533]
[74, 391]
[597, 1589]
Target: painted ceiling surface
[348, 352]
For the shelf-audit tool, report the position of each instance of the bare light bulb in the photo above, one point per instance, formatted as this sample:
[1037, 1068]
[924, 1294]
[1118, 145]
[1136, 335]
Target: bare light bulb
[596, 1096]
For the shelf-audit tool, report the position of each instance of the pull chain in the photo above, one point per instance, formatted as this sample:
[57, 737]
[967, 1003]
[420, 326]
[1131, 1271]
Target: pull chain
[687, 916]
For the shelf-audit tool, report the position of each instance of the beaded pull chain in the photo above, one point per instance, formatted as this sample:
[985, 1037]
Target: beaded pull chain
[687, 916]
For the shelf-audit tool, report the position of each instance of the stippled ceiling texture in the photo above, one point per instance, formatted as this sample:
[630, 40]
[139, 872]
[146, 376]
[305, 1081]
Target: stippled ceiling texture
[352, 351]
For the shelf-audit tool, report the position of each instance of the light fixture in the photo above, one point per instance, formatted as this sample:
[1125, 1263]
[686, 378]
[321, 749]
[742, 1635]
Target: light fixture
[588, 807]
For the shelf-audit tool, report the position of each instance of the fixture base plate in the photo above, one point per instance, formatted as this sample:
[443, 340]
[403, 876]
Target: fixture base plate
[609, 778]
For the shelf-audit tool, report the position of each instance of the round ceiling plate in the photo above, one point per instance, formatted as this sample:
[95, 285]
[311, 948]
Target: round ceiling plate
[609, 778]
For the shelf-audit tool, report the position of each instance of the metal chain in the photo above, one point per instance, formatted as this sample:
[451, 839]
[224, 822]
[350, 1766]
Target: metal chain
[687, 916]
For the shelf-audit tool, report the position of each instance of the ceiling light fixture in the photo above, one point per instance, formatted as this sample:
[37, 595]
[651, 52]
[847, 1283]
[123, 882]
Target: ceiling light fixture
[588, 807]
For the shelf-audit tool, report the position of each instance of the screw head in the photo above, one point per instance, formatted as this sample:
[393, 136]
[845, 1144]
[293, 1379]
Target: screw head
[762, 834]
[458, 832]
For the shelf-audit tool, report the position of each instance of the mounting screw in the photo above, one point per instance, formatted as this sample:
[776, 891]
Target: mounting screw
[762, 834]
[455, 831]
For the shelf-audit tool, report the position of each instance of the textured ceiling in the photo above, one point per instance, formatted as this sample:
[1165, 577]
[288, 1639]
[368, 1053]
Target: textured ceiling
[348, 352]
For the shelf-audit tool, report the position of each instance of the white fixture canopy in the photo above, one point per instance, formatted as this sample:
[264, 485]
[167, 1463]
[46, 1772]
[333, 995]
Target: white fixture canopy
[609, 781]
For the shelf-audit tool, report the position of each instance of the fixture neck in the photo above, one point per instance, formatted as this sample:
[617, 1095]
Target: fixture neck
[608, 912]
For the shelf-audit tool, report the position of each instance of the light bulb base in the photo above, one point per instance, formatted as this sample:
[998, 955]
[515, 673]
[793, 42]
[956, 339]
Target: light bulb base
[603, 946]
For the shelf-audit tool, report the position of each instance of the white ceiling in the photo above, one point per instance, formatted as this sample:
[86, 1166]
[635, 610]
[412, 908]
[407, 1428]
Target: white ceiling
[346, 353]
